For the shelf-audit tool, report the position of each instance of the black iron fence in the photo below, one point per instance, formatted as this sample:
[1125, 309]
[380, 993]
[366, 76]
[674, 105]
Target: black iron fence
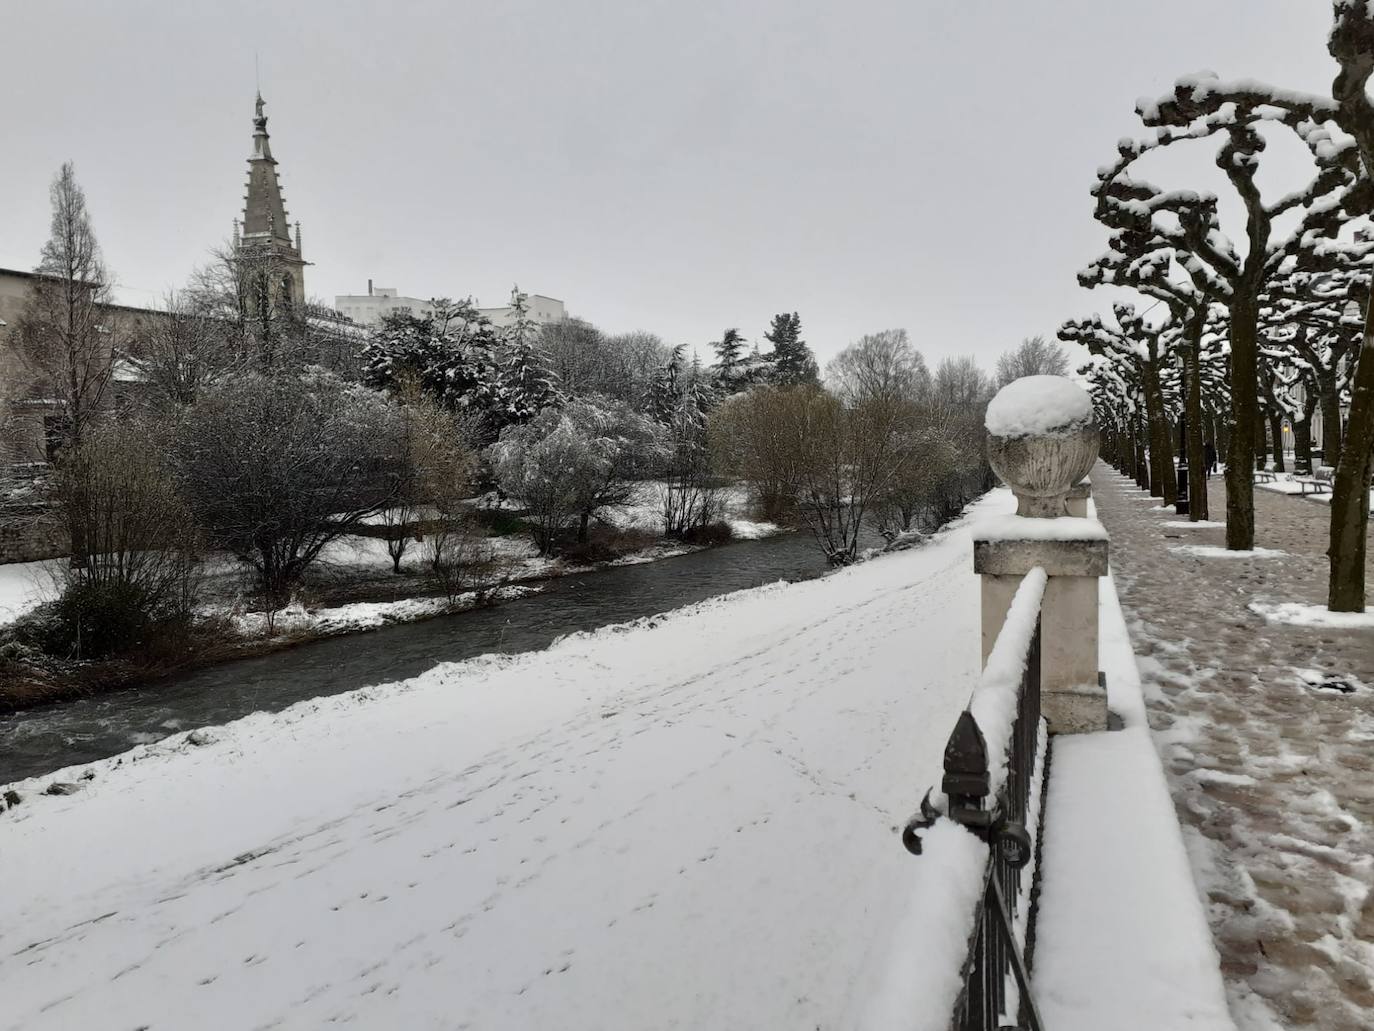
[1001, 805]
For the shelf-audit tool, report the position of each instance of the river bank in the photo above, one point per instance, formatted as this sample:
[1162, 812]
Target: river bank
[39, 739]
[352, 588]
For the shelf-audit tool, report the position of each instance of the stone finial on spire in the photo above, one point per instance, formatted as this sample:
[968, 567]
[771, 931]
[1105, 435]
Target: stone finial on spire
[298, 237]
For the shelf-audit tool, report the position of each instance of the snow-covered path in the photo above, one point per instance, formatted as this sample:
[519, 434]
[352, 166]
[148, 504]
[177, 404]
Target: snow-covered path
[1271, 775]
[689, 822]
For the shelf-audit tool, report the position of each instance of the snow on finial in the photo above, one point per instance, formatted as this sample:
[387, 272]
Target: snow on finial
[1038, 405]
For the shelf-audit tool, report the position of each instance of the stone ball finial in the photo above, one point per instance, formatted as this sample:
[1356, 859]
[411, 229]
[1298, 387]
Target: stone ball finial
[1041, 441]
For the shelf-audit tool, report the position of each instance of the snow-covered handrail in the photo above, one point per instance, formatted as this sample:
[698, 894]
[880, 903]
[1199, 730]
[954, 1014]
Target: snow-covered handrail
[992, 786]
[994, 702]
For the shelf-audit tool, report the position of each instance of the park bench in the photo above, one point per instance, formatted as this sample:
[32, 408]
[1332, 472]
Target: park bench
[1265, 476]
[1318, 483]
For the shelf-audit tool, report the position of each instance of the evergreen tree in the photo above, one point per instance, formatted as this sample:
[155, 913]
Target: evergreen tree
[665, 392]
[449, 353]
[525, 380]
[729, 359]
[792, 360]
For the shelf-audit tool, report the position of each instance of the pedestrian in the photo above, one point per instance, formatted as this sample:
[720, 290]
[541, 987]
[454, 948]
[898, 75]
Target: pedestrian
[1209, 458]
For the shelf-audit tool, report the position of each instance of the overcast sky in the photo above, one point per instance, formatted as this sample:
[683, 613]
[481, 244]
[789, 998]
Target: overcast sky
[673, 166]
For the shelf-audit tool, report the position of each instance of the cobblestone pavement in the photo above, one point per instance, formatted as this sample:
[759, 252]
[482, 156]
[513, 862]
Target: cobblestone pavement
[1273, 777]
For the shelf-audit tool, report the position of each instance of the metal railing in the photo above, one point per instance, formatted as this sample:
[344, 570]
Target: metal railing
[1001, 804]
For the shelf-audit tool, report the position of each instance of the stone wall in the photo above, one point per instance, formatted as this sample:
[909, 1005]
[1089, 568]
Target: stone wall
[29, 533]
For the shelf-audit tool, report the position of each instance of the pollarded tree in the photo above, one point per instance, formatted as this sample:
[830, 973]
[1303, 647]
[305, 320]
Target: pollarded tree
[1318, 318]
[1034, 356]
[1135, 259]
[1349, 110]
[1145, 349]
[1188, 221]
[791, 358]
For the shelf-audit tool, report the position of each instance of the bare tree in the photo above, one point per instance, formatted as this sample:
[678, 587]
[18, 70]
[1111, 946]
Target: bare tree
[277, 467]
[1034, 356]
[66, 333]
[185, 349]
[880, 365]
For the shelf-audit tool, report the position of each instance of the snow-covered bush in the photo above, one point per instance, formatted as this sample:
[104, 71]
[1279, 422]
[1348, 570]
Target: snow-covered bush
[569, 462]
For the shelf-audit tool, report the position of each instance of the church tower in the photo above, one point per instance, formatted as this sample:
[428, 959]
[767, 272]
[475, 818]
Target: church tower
[266, 233]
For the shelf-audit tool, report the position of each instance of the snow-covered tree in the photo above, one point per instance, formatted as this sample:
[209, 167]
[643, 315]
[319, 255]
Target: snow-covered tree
[527, 386]
[1143, 348]
[791, 359]
[450, 353]
[571, 461]
[1187, 222]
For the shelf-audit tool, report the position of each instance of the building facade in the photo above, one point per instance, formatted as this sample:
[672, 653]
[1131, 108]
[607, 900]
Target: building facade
[380, 301]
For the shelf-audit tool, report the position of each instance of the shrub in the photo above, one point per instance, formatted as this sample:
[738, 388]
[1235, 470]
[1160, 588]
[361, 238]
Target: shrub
[134, 582]
[711, 533]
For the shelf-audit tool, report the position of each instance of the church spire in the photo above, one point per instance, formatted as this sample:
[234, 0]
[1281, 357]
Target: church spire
[264, 213]
[266, 230]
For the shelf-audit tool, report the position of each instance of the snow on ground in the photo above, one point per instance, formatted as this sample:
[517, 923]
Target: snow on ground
[1201, 524]
[1285, 483]
[1299, 614]
[687, 821]
[1281, 842]
[23, 585]
[296, 619]
[645, 512]
[1218, 551]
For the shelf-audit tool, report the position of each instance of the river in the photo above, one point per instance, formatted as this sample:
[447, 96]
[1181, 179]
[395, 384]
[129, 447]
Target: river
[40, 740]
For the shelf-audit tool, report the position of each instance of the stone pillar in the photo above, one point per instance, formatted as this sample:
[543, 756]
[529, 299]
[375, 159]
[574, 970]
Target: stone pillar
[1072, 697]
[1077, 501]
[1045, 462]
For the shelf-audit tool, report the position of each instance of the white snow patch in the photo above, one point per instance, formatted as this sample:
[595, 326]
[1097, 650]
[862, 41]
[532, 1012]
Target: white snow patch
[1217, 551]
[1026, 528]
[1038, 405]
[1296, 613]
[1201, 524]
[24, 585]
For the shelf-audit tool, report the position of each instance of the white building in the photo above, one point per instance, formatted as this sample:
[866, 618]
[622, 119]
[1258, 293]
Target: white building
[370, 308]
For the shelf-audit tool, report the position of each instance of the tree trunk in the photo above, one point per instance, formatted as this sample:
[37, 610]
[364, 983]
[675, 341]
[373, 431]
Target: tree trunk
[1240, 461]
[1142, 457]
[582, 528]
[1276, 435]
[1197, 465]
[1302, 446]
[1331, 419]
[1350, 491]
[1163, 482]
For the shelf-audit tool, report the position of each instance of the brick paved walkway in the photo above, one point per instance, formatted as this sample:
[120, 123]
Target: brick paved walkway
[1273, 778]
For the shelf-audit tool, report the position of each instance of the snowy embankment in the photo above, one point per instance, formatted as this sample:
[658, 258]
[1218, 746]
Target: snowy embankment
[685, 821]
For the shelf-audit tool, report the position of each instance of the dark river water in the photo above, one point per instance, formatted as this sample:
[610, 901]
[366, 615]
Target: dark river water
[48, 738]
